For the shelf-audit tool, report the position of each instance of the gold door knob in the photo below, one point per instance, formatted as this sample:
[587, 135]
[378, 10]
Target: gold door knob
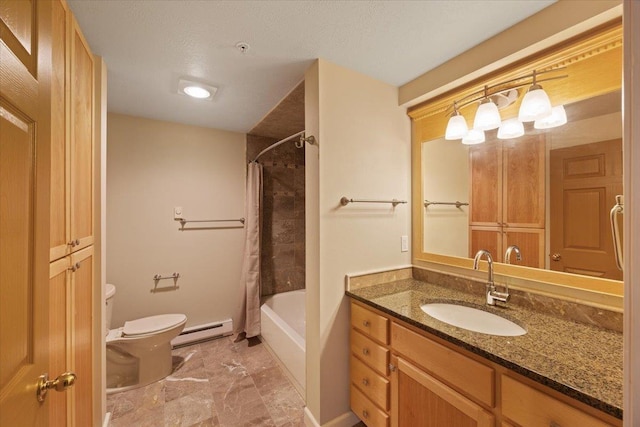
[556, 257]
[63, 382]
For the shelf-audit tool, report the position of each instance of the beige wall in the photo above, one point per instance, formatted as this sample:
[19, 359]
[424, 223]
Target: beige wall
[364, 152]
[446, 179]
[152, 167]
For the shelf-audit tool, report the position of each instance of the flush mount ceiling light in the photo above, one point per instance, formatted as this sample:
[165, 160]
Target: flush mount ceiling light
[196, 89]
[535, 106]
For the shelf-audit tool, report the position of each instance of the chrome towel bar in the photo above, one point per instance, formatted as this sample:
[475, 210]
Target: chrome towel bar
[457, 204]
[344, 201]
[174, 276]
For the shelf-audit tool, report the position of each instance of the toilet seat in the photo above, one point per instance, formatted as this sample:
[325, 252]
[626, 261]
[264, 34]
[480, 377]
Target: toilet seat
[151, 325]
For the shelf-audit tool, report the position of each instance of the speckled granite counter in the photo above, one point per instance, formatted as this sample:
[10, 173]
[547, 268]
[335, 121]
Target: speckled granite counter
[581, 361]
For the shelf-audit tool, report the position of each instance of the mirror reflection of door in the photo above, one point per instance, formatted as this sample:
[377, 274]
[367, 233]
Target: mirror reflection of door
[586, 179]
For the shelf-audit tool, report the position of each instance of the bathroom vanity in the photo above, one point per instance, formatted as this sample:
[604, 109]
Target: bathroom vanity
[409, 369]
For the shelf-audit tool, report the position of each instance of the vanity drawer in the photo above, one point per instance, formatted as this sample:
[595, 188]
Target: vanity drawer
[530, 407]
[374, 355]
[366, 410]
[373, 385]
[473, 378]
[370, 323]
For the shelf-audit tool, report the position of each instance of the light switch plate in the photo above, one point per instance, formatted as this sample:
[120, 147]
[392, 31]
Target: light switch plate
[404, 244]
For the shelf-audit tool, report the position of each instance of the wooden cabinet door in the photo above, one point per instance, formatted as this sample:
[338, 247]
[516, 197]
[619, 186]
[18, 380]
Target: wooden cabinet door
[81, 138]
[72, 137]
[523, 182]
[81, 335]
[487, 238]
[418, 399]
[485, 199]
[531, 244]
[25, 135]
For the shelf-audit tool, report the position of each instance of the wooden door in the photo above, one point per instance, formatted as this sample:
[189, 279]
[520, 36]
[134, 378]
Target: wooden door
[418, 399]
[25, 109]
[523, 182]
[485, 199]
[584, 182]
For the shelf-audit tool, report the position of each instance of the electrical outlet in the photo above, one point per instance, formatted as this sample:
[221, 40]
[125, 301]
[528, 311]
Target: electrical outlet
[177, 213]
[404, 244]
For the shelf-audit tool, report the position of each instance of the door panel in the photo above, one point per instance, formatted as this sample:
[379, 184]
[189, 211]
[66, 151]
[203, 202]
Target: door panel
[486, 176]
[530, 241]
[585, 180]
[24, 209]
[487, 238]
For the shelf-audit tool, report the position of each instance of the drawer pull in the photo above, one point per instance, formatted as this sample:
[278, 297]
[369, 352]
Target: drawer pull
[365, 382]
[365, 351]
[73, 243]
[365, 413]
[74, 267]
[366, 323]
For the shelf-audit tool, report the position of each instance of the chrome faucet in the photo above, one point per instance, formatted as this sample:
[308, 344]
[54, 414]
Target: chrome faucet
[507, 254]
[492, 294]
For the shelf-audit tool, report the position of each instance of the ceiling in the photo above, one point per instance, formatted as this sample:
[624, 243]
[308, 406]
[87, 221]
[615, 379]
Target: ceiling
[148, 44]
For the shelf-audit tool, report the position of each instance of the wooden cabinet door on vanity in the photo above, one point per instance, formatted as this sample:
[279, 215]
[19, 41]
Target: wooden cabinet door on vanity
[507, 200]
[418, 399]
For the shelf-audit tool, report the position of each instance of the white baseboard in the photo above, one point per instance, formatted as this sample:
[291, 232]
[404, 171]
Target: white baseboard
[347, 419]
[107, 419]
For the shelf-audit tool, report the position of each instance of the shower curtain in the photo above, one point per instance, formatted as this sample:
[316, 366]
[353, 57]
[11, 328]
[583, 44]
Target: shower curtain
[249, 317]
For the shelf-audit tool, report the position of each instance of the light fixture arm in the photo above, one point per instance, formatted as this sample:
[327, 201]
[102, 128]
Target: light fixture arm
[487, 90]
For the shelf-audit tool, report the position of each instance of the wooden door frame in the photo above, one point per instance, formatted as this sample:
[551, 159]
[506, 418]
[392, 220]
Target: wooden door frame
[631, 150]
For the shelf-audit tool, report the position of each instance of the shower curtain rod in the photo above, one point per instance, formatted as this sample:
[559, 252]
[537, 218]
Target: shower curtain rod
[274, 145]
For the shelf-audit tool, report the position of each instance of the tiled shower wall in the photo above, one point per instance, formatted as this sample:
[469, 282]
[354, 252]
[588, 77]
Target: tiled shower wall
[283, 251]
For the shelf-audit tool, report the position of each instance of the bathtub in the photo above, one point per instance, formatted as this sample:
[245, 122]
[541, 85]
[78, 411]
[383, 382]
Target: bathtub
[282, 329]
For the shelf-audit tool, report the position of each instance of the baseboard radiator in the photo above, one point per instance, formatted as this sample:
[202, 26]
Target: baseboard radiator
[204, 332]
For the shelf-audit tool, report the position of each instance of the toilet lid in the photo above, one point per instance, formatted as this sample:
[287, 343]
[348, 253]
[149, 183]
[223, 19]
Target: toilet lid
[152, 324]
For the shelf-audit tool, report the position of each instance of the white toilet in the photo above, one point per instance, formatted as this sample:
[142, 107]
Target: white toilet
[139, 353]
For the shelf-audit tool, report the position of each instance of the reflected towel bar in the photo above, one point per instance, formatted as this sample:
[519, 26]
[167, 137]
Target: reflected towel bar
[457, 204]
[344, 201]
[161, 277]
[186, 221]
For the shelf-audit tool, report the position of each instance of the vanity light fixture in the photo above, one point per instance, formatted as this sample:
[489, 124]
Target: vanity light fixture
[535, 107]
[557, 118]
[457, 126]
[511, 128]
[535, 104]
[196, 89]
[473, 137]
[487, 115]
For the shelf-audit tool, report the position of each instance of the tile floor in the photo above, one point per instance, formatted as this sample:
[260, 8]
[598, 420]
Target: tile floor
[216, 383]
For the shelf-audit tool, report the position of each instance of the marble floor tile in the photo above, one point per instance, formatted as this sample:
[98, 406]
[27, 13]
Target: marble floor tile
[214, 383]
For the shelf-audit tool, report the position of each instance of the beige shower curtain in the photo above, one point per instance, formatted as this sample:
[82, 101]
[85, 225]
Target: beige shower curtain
[249, 317]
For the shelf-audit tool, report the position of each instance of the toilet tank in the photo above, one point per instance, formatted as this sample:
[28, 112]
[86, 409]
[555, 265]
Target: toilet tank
[110, 293]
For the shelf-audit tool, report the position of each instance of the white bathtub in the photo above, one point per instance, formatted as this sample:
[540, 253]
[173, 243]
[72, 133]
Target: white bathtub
[282, 329]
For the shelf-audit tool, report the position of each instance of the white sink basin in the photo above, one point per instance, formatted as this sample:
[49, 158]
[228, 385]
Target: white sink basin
[473, 319]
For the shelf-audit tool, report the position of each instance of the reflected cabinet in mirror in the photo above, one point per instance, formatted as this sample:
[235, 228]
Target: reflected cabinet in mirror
[547, 188]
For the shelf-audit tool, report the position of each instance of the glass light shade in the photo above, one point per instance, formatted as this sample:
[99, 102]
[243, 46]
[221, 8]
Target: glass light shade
[487, 116]
[456, 128]
[535, 105]
[197, 92]
[557, 118]
[512, 128]
[475, 136]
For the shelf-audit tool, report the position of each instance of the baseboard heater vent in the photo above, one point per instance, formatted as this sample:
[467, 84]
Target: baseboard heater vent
[204, 332]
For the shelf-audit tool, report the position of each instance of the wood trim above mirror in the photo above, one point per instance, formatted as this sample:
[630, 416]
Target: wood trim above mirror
[593, 64]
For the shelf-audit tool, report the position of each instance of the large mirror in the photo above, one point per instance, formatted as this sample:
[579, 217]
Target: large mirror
[550, 192]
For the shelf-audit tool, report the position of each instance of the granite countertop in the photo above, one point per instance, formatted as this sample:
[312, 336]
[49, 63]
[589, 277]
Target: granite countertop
[579, 360]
